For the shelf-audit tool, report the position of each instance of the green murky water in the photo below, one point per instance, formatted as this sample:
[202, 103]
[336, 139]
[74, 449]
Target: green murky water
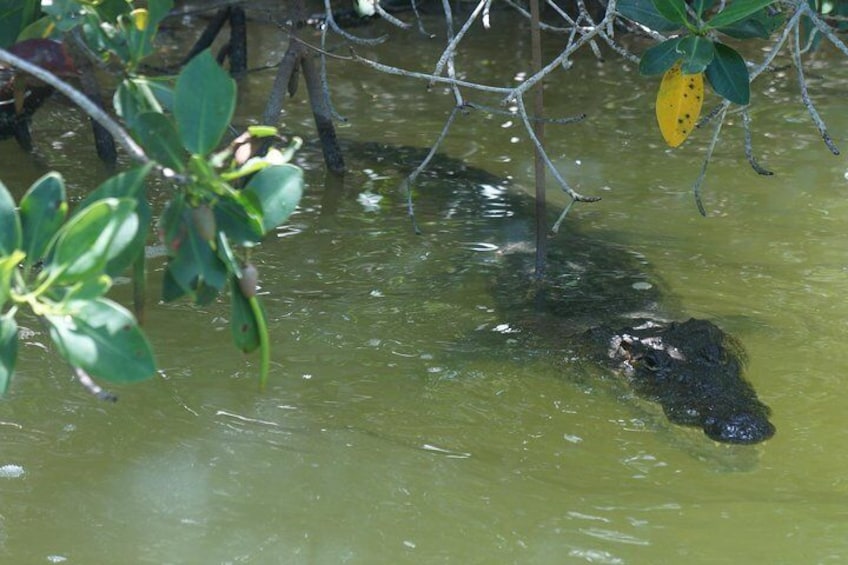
[389, 432]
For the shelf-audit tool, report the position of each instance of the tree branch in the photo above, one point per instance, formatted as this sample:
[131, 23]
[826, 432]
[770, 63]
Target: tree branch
[78, 98]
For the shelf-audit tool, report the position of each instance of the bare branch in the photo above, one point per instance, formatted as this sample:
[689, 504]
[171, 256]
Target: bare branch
[502, 112]
[78, 98]
[749, 146]
[390, 18]
[325, 83]
[795, 49]
[421, 29]
[88, 383]
[542, 25]
[561, 181]
[428, 77]
[696, 188]
[449, 51]
[823, 27]
[328, 18]
[410, 180]
[777, 45]
[520, 90]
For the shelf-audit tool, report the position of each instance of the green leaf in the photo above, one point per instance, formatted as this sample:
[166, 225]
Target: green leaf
[701, 6]
[193, 265]
[728, 75]
[8, 350]
[645, 13]
[264, 341]
[697, 52]
[196, 260]
[132, 98]
[660, 58]
[42, 28]
[162, 89]
[243, 323]
[226, 254]
[129, 184]
[234, 217]
[96, 235]
[43, 210]
[673, 10]
[277, 189]
[738, 10]
[66, 15]
[10, 223]
[15, 15]
[204, 102]
[87, 289]
[159, 10]
[157, 134]
[140, 27]
[8, 266]
[102, 338]
[109, 10]
[760, 25]
[171, 289]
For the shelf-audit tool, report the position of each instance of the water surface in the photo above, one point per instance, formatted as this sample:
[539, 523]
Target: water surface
[393, 430]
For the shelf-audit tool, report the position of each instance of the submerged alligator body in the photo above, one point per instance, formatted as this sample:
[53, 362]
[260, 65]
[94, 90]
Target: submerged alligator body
[596, 300]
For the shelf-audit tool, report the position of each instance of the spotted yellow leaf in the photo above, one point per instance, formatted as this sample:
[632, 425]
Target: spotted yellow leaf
[679, 103]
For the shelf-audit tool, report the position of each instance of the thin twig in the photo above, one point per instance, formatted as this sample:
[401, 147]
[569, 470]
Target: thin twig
[325, 83]
[511, 113]
[749, 145]
[542, 25]
[584, 15]
[696, 188]
[421, 29]
[561, 181]
[520, 90]
[390, 18]
[330, 21]
[88, 383]
[487, 24]
[410, 179]
[777, 45]
[428, 77]
[823, 27]
[451, 47]
[795, 48]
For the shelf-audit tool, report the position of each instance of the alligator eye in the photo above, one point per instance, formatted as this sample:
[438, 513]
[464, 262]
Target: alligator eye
[650, 362]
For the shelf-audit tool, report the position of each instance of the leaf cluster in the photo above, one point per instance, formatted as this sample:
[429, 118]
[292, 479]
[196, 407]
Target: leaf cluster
[696, 48]
[60, 266]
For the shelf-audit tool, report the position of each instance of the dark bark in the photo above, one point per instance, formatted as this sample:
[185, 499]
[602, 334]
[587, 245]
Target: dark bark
[323, 117]
[104, 143]
[213, 28]
[297, 56]
[539, 130]
[238, 42]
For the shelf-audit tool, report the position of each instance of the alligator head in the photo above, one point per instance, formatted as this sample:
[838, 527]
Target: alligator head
[694, 370]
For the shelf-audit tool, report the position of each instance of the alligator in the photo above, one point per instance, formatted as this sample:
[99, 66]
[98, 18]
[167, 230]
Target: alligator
[597, 300]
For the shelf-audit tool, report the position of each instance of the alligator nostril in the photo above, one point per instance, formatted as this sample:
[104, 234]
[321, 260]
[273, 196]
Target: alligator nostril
[742, 428]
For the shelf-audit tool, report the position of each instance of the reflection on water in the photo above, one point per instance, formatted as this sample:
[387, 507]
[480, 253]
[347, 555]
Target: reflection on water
[403, 421]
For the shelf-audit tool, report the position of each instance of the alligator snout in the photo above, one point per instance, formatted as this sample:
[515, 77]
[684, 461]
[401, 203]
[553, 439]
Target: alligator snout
[741, 428]
[694, 370]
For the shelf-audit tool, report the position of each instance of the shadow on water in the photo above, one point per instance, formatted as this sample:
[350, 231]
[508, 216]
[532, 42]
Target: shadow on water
[593, 281]
[404, 421]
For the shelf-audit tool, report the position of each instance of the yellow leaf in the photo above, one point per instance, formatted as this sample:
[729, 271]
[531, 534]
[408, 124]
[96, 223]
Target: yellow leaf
[140, 17]
[679, 103]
